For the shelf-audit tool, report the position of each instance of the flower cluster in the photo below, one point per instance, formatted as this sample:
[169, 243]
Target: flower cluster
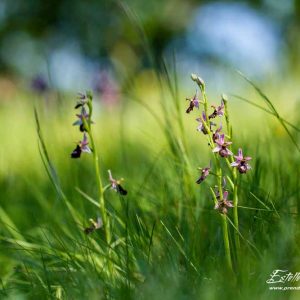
[83, 122]
[219, 142]
[222, 146]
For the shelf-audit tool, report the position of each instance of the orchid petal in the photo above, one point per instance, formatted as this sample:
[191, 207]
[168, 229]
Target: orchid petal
[240, 153]
[229, 152]
[78, 122]
[217, 149]
[225, 195]
[86, 149]
[229, 204]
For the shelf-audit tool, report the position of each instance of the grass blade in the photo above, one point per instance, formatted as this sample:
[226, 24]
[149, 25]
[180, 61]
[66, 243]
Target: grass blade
[272, 108]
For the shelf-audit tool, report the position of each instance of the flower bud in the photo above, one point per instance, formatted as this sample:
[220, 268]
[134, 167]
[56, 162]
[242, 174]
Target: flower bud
[198, 80]
[224, 98]
[89, 95]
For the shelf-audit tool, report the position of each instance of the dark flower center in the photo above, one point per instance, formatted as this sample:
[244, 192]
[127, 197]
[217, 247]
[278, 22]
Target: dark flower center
[242, 167]
[223, 152]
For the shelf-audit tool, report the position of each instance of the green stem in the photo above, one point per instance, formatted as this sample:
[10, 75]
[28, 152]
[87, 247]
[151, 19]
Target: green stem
[101, 189]
[235, 213]
[224, 218]
[87, 125]
[202, 87]
[225, 236]
[235, 183]
[228, 127]
[226, 241]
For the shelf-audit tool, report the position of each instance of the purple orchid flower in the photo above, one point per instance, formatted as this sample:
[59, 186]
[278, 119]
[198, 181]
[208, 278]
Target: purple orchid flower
[82, 146]
[194, 102]
[241, 162]
[218, 111]
[201, 126]
[204, 174]
[116, 185]
[222, 146]
[223, 204]
[39, 84]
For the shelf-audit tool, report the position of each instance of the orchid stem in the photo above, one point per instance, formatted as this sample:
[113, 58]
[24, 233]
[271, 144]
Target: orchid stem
[235, 184]
[105, 220]
[235, 214]
[226, 241]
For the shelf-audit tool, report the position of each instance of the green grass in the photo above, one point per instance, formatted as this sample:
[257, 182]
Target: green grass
[167, 238]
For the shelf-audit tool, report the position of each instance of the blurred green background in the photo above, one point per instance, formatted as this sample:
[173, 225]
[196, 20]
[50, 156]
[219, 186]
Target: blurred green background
[137, 57]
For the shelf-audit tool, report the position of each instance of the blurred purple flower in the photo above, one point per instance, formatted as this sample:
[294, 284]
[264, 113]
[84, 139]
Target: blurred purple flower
[194, 102]
[84, 144]
[218, 111]
[204, 174]
[222, 146]
[223, 204]
[106, 87]
[39, 84]
[241, 162]
[116, 185]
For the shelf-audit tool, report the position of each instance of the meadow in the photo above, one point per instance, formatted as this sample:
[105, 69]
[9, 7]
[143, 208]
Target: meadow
[167, 240]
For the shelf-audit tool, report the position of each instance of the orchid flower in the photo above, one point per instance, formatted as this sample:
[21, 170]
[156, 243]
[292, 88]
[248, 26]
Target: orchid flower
[241, 162]
[218, 111]
[194, 102]
[116, 185]
[222, 146]
[223, 204]
[204, 174]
